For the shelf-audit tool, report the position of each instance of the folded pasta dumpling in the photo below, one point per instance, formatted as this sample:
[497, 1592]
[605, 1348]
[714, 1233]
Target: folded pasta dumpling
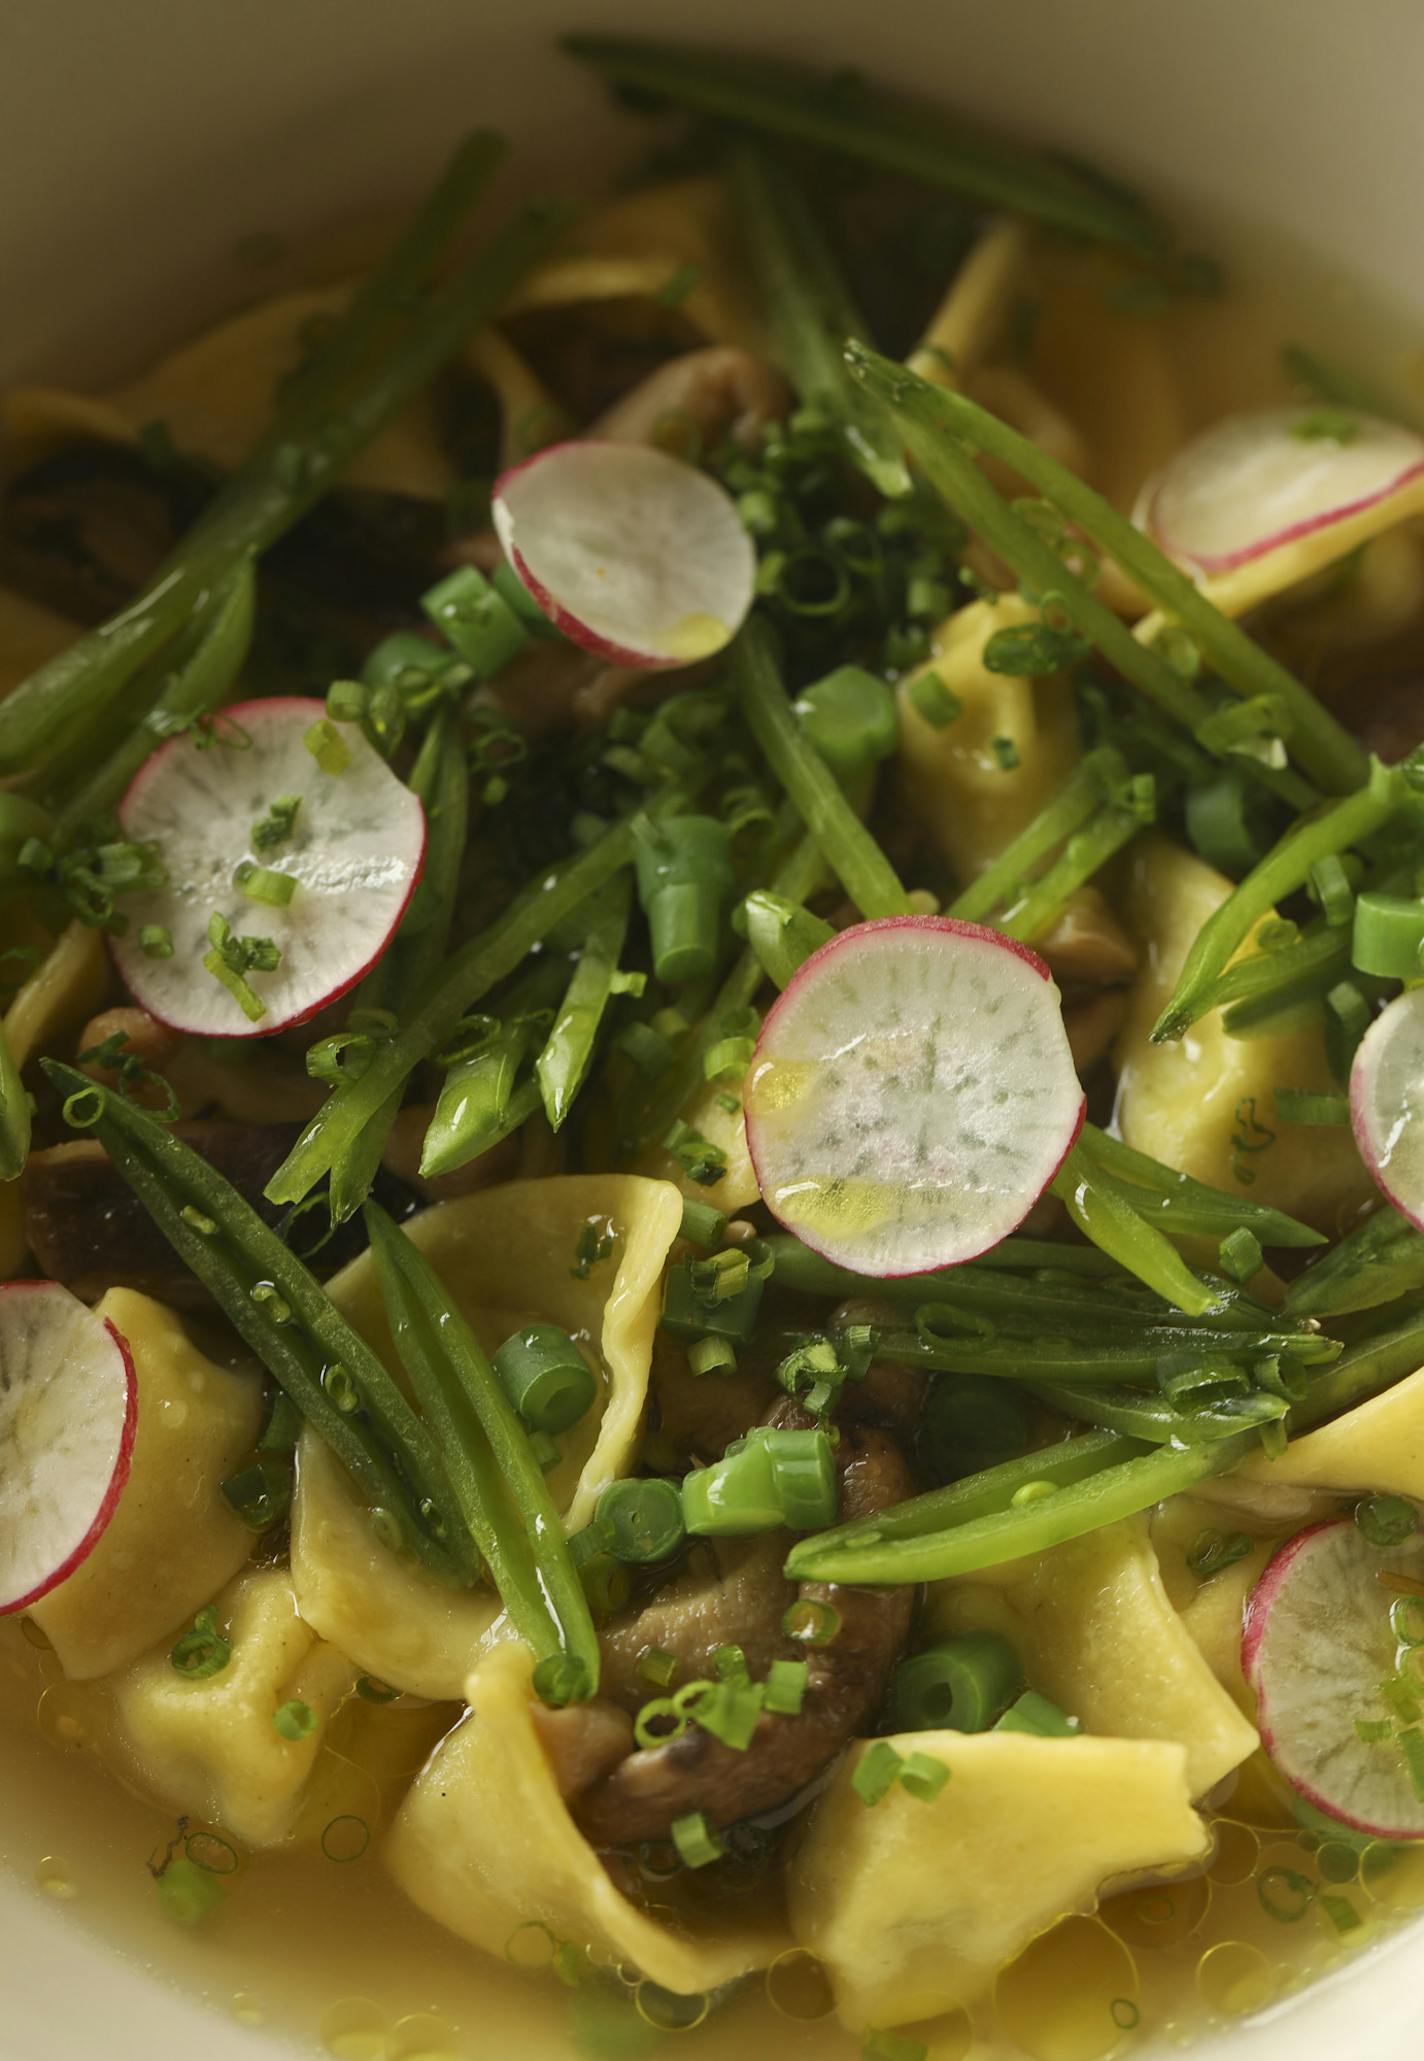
[174, 1540]
[484, 1843]
[508, 1255]
[913, 1906]
[209, 1746]
[1205, 1103]
[1094, 1628]
[978, 780]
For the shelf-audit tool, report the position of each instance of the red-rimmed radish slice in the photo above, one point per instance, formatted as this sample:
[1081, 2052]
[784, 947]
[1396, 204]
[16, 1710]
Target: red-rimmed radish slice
[68, 1413]
[912, 1094]
[630, 552]
[355, 849]
[1253, 482]
[1317, 1646]
[1387, 1102]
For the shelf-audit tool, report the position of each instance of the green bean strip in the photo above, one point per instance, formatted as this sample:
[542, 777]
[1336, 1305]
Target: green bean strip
[1323, 746]
[925, 1541]
[785, 100]
[441, 778]
[1188, 1207]
[846, 845]
[469, 974]
[1322, 955]
[809, 312]
[387, 294]
[1285, 868]
[284, 475]
[1381, 1260]
[502, 1494]
[1155, 1420]
[1104, 1212]
[14, 1115]
[278, 1309]
[197, 674]
[1365, 1370]
[1104, 1360]
[951, 470]
[1075, 804]
[1043, 901]
[562, 1066]
[472, 1112]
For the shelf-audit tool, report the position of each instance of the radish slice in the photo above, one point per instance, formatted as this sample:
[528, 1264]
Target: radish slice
[629, 552]
[912, 1094]
[1387, 1103]
[1318, 1644]
[1253, 482]
[355, 850]
[68, 1413]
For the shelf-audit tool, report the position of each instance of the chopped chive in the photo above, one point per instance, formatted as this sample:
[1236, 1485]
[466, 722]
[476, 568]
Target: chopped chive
[328, 747]
[697, 1845]
[786, 1682]
[155, 941]
[265, 884]
[295, 1719]
[922, 1776]
[1386, 1520]
[202, 1652]
[876, 1772]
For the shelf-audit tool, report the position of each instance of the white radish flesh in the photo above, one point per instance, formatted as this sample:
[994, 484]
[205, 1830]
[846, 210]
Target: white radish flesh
[912, 1094]
[1387, 1102]
[68, 1413]
[631, 553]
[1253, 482]
[355, 850]
[1318, 1644]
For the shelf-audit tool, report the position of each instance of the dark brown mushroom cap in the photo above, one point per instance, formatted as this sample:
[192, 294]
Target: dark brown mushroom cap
[642, 1796]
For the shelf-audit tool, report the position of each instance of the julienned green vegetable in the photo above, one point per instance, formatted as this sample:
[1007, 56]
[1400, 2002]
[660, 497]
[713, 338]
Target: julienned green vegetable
[364, 376]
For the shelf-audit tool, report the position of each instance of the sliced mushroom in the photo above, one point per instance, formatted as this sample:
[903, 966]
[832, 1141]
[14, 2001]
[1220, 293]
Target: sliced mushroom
[582, 1741]
[720, 391]
[1392, 724]
[643, 1795]
[1088, 943]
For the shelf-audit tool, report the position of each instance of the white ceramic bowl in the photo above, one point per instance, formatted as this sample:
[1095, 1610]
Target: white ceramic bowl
[140, 140]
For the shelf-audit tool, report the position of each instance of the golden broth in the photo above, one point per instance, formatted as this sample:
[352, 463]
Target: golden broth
[328, 1952]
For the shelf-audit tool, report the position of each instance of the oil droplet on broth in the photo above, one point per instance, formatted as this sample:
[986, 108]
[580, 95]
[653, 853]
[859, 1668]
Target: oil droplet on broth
[421, 2037]
[798, 1986]
[354, 2029]
[55, 1879]
[1235, 1977]
[1069, 1995]
[1160, 1916]
[61, 1712]
[1238, 1850]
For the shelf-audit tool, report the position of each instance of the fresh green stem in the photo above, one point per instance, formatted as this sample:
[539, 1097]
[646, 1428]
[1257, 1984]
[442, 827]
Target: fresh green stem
[846, 845]
[386, 296]
[1365, 1370]
[1104, 1359]
[1380, 1261]
[946, 1533]
[1186, 1207]
[1324, 748]
[503, 1497]
[1285, 868]
[1042, 901]
[196, 675]
[1321, 955]
[476, 1100]
[288, 470]
[441, 779]
[1104, 1211]
[1156, 1421]
[469, 974]
[14, 1115]
[786, 100]
[562, 1066]
[809, 311]
[280, 1312]
[1077, 801]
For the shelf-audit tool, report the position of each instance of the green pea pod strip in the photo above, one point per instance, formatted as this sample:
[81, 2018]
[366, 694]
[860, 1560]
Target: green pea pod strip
[787, 100]
[809, 312]
[502, 1494]
[275, 1305]
[562, 1066]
